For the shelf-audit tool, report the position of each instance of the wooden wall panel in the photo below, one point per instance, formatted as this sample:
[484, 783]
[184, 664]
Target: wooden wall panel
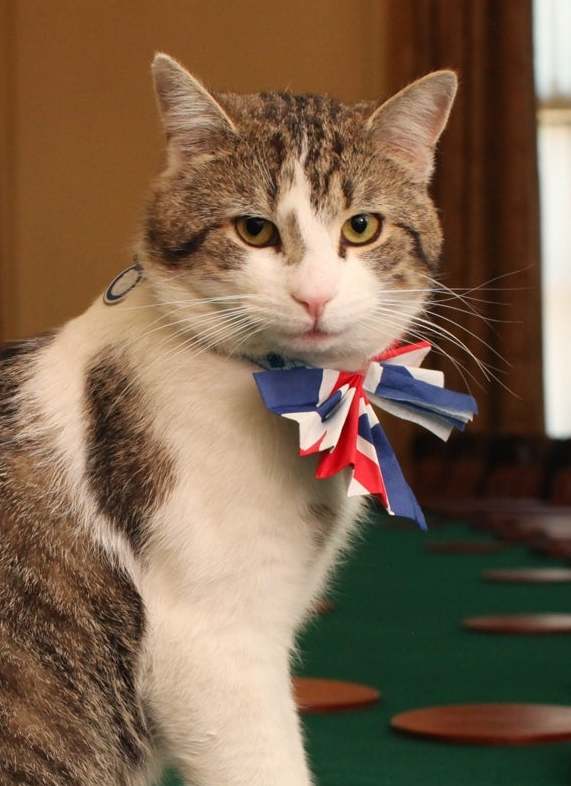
[7, 160]
[84, 122]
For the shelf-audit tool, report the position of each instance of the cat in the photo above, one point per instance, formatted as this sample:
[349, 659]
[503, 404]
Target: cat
[161, 541]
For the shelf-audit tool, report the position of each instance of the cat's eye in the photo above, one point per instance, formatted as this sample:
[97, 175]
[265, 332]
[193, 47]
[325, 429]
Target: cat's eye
[256, 231]
[361, 228]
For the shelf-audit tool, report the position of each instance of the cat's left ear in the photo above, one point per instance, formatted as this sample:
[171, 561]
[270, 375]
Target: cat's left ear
[409, 124]
[192, 117]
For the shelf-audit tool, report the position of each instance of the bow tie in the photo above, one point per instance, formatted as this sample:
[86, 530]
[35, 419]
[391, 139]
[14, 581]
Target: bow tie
[336, 418]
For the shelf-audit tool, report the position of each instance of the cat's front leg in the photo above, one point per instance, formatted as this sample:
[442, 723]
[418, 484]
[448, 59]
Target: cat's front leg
[222, 700]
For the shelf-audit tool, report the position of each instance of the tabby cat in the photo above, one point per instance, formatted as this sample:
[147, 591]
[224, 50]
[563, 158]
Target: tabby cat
[161, 540]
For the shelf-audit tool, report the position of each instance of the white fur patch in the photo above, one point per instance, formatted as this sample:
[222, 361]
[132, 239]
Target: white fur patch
[233, 564]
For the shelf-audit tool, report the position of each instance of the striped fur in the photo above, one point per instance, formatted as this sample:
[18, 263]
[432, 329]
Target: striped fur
[71, 623]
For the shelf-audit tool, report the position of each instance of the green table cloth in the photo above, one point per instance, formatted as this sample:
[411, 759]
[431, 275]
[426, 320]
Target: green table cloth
[397, 626]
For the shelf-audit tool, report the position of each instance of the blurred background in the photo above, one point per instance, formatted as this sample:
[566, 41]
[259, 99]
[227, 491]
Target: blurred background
[80, 140]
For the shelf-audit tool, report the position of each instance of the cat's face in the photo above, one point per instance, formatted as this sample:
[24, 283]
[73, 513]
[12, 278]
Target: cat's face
[294, 224]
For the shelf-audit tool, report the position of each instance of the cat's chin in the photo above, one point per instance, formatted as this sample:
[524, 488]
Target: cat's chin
[314, 343]
[341, 350]
[322, 353]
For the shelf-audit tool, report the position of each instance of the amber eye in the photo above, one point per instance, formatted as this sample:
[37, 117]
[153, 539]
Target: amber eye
[257, 231]
[362, 228]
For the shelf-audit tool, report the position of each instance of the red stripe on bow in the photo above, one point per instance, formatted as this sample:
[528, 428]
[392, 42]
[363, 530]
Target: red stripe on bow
[345, 453]
[400, 349]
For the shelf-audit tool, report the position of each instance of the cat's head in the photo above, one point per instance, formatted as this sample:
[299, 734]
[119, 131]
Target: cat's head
[294, 223]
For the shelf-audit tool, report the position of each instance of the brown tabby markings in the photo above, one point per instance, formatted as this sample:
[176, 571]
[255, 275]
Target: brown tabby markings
[417, 243]
[186, 249]
[188, 215]
[71, 625]
[130, 474]
[292, 239]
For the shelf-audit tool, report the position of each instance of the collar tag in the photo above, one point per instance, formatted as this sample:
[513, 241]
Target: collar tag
[122, 284]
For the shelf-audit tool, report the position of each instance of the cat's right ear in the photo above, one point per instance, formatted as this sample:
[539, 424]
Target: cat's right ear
[192, 117]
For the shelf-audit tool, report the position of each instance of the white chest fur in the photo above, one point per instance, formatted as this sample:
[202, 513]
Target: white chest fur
[247, 523]
[238, 549]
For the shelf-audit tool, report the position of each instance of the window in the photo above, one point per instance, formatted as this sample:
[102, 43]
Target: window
[552, 28]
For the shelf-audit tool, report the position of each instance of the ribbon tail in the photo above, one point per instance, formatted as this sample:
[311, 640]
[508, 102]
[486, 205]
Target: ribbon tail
[432, 422]
[400, 391]
[401, 500]
[374, 467]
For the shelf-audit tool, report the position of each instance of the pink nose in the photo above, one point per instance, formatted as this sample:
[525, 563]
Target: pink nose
[313, 306]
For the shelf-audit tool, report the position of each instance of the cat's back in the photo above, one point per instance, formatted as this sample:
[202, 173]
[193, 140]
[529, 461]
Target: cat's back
[70, 622]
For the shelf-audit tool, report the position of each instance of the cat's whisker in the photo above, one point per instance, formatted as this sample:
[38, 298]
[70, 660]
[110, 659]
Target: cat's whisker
[488, 320]
[197, 320]
[429, 327]
[448, 335]
[437, 304]
[223, 332]
[168, 324]
[164, 317]
[218, 327]
[464, 294]
[216, 330]
[435, 329]
[485, 284]
[470, 333]
[405, 329]
[237, 330]
[478, 300]
[462, 369]
[193, 319]
[439, 286]
[159, 357]
[486, 369]
[189, 302]
[248, 336]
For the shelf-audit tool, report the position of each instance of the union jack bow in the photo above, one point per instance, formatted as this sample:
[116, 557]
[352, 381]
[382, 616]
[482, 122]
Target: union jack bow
[335, 416]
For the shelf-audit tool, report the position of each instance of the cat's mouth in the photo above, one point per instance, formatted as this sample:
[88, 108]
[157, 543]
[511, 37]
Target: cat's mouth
[314, 338]
[316, 334]
[311, 339]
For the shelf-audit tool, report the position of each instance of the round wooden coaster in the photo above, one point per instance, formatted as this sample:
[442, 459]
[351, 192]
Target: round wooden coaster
[317, 695]
[489, 724]
[528, 527]
[464, 547]
[555, 527]
[558, 549]
[529, 575]
[521, 623]
[482, 506]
